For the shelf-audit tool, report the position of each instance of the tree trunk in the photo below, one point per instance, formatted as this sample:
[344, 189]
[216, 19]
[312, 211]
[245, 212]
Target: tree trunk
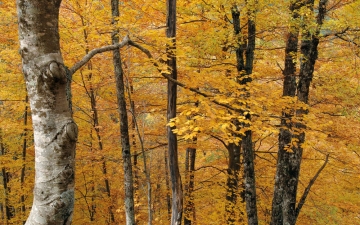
[167, 183]
[176, 186]
[245, 70]
[234, 151]
[232, 183]
[5, 181]
[55, 132]
[22, 176]
[247, 145]
[135, 154]
[289, 89]
[290, 154]
[124, 127]
[189, 209]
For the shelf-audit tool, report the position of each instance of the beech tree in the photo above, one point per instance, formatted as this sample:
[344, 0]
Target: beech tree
[292, 136]
[230, 105]
[55, 132]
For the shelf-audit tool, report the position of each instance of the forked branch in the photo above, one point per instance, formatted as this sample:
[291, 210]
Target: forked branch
[127, 41]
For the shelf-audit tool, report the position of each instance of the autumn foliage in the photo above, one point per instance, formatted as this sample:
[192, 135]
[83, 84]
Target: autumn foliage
[206, 62]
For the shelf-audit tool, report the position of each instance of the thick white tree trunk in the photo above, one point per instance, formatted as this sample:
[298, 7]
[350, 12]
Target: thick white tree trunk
[55, 132]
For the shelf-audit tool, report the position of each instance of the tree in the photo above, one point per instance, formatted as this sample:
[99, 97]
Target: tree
[124, 127]
[55, 132]
[176, 185]
[292, 138]
[319, 100]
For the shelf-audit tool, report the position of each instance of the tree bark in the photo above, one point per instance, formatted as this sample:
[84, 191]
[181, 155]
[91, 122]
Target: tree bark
[247, 145]
[55, 132]
[290, 154]
[245, 69]
[232, 183]
[189, 209]
[124, 127]
[22, 176]
[176, 187]
[289, 89]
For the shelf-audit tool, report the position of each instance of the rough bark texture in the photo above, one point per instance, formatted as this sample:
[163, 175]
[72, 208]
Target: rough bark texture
[245, 69]
[234, 151]
[176, 186]
[247, 145]
[55, 132]
[290, 155]
[124, 128]
[289, 89]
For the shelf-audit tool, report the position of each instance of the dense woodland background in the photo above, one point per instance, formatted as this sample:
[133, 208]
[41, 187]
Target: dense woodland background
[206, 60]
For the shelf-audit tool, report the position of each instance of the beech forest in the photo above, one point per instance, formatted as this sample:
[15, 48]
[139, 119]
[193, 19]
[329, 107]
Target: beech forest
[202, 112]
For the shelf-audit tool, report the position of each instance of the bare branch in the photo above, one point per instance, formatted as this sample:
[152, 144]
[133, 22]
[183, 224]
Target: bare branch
[127, 41]
[95, 51]
[307, 189]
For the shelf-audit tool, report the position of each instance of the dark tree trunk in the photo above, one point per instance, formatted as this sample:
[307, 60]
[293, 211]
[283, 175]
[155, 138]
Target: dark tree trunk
[189, 209]
[247, 145]
[176, 186]
[245, 70]
[167, 183]
[289, 89]
[290, 154]
[22, 176]
[5, 181]
[232, 183]
[124, 128]
[135, 154]
[234, 151]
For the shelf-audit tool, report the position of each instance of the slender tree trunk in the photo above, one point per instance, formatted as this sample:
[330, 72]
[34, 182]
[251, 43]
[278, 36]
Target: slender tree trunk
[95, 118]
[22, 175]
[135, 154]
[176, 186]
[55, 132]
[247, 145]
[245, 69]
[232, 183]
[189, 208]
[146, 171]
[124, 127]
[234, 151]
[167, 183]
[5, 181]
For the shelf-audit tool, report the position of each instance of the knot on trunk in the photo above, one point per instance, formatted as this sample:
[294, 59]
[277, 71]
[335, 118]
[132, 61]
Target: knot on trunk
[71, 131]
[54, 72]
